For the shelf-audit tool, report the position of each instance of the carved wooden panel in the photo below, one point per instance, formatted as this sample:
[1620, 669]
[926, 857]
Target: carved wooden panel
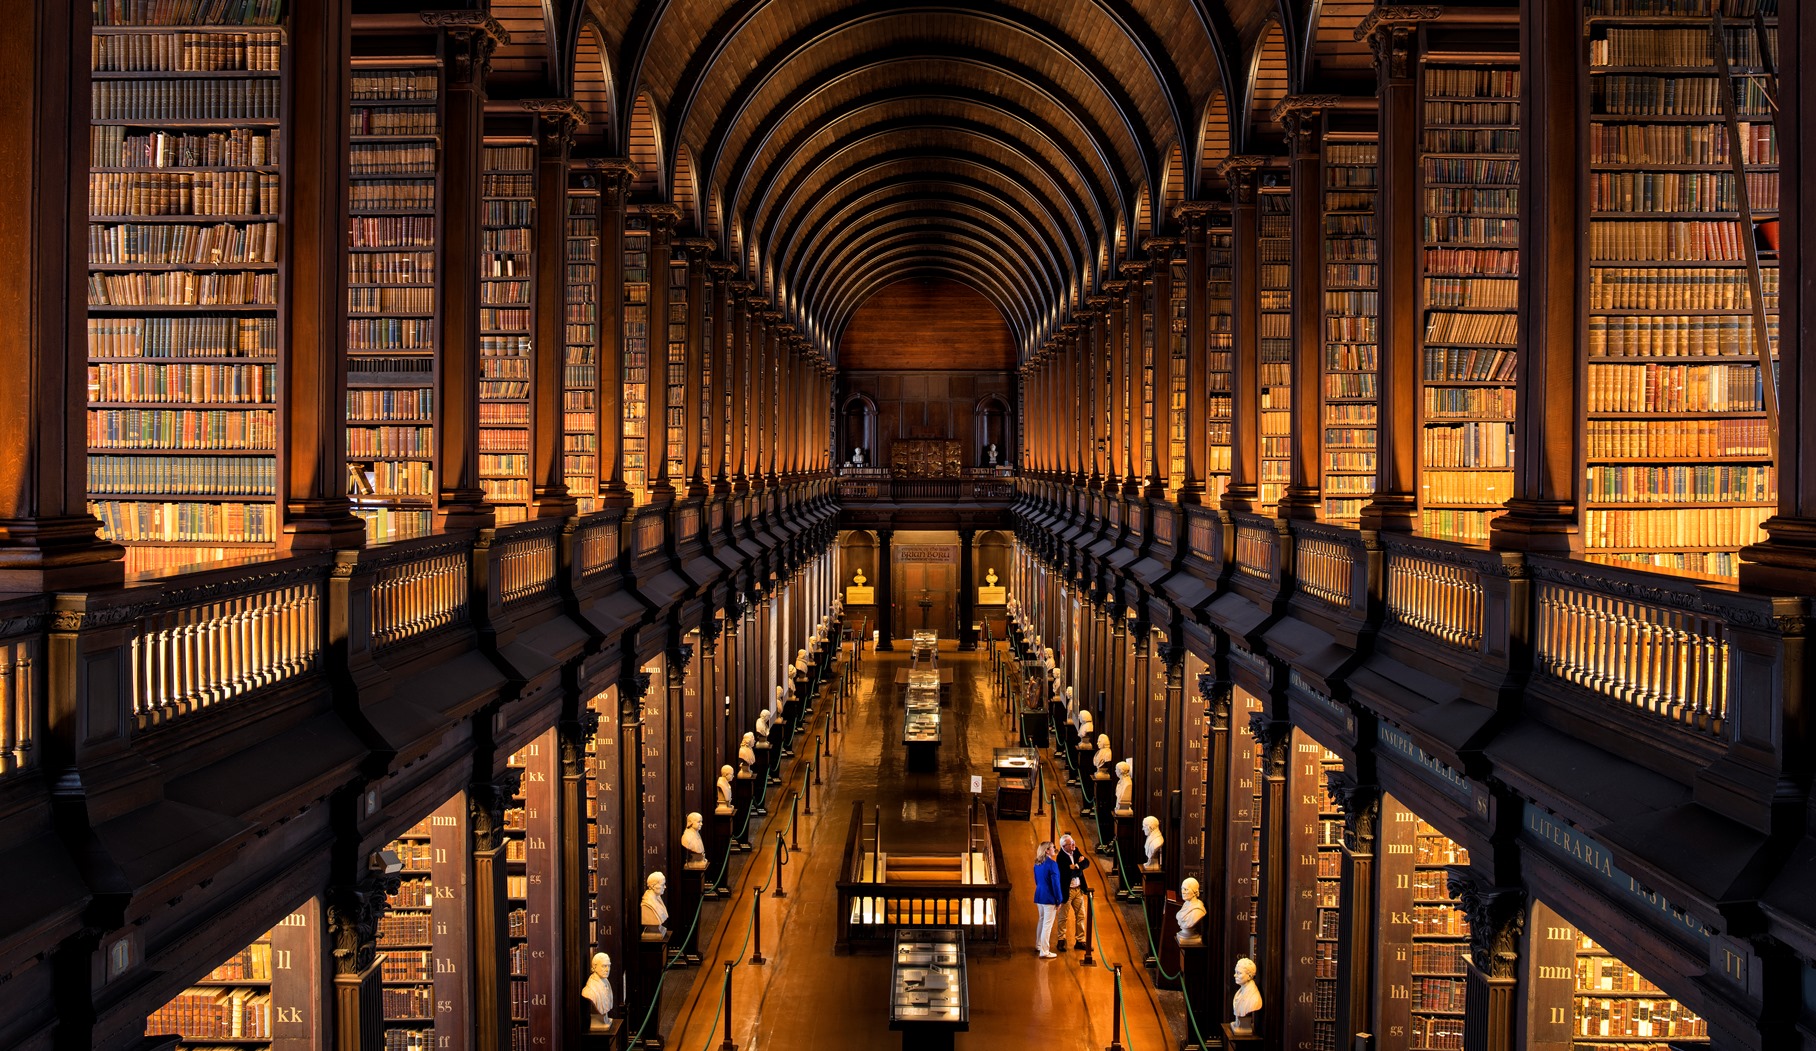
[925, 458]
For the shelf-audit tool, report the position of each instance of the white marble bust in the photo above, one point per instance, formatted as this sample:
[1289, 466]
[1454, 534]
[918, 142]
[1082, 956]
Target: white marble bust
[1246, 1004]
[800, 664]
[747, 754]
[1125, 788]
[1084, 725]
[655, 913]
[723, 788]
[1191, 910]
[598, 989]
[764, 721]
[692, 842]
[1102, 758]
[1150, 827]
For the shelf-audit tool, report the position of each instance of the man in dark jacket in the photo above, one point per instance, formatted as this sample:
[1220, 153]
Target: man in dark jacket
[1072, 867]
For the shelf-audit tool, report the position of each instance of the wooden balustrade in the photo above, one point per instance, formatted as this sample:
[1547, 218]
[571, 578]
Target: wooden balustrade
[22, 697]
[1202, 533]
[211, 641]
[1645, 641]
[1255, 549]
[526, 563]
[1324, 563]
[649, 533]
[596, 545]
[1433, 590]
[421, 591]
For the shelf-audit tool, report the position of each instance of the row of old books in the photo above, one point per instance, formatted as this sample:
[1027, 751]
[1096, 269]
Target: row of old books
[183, 193]
[205, 384]
[117, 146]
[241, 99]
[183, 429]
[185, 52]
[173, 337]
[1672, 336]
[186, 521]
[1675, 191]
[198, 476]
[1675, 439]
[1627, 143]
[186, 12]
[183, 288]
[392, 158]
[392, 299]
[181, 244]
[1675, 529]
[1656, 387]
[1700, 483]
[1651, 288]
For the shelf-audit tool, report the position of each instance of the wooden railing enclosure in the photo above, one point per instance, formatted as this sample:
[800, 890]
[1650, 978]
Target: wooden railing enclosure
[871, 912]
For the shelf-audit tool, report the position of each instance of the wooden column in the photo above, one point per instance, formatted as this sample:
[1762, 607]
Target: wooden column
[48, 540]
[578, 728]
[718, 458]
[761, 334]
[488, 909]
[1215, 880]
[1275, 742]
[1194, 216]
[699, 286]
[317, 513]
[1497, 919]
[1395, 504]
[614, 190]
[1244, 492]
[1787, 560]
[1356, 927]
[885, 591]
[357, 998]
[662, 220]
[624, 885]
[1544, 513]
[1159, 297]
[1304, 495]
[967, 589]
[471, 38]
[557, 120]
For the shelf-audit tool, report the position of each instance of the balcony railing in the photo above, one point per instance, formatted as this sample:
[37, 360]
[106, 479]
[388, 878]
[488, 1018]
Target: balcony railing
[1436, 589]
[419, 589]
[222, 636]
[526, 563]
[879, 488]
[1645, 641]
[1324, 563]
[22, 696]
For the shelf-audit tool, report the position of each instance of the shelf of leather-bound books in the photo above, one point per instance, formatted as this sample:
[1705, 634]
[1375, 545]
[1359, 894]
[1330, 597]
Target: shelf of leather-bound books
[676, 370]
[1351, 366]
[1275, 207]
[1469, 288]
[1682, 186]
[1220, 360]
[1178, 287]
[185, 281]
[261, 997]
[506, 324]
[580, 359]
[636, 356]
[394, 293]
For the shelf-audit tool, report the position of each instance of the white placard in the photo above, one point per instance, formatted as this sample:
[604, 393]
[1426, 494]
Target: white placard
[977, 784]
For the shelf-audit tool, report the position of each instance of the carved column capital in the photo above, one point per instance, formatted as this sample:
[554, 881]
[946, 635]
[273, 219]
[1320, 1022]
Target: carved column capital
[574, 737]
[1216, 694]
[1497, 918]
[486, 803]
[353, 914]
[1275, 740]
[1361, 808]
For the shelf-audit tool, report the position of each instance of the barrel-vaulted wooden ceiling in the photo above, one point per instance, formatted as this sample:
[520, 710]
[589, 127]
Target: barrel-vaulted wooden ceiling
[834, 147]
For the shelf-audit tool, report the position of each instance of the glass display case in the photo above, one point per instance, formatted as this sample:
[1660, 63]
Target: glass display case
[929, 1001]
[921, 726]
[1017, 778]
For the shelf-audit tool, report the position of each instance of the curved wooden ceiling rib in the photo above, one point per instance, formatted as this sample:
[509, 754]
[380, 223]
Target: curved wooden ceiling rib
[592, 86]
[935, 142]
[643, 145]
[835, 141]
[1334, 59]
[1031, 212]
[1268, 83]
[1215, 138]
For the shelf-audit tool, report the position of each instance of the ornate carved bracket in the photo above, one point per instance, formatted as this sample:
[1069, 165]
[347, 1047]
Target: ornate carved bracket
[486, 804]
[1275, 740]
[353, 915]
[1361, 807]
[1497, 918]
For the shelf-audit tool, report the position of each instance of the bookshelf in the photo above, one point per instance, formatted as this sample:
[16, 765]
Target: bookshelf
[635, 449]
[1329, 907]
[1274, 204]
[1682, 162]
[676, 372]
[1351, 310]
[1587, 998]
[530, 864]
[507, 314]
[185, 289]
[1178, 290]
[580, 360]
[1246, 776]
[1148, 316]
[393, 294]
[1220, 358]
[261, 998]
[422, 936]
[1424, 940]
[1469, 183]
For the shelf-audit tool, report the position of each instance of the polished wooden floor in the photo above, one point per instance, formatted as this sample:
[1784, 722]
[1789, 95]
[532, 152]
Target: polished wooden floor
[805, 998]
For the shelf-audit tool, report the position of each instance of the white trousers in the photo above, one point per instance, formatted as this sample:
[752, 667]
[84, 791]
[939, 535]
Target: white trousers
[1043, 938]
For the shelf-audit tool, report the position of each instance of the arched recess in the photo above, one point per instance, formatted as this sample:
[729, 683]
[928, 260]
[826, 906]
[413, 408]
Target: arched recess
[684, 192]
[857, 431]
[592, 82]
[1172, 188]
[1214, 140]
[1266, 87]
[1333, 56]
[645, 149]
[1142, 227]
[992, 425]
[715, 216]
[857, 556]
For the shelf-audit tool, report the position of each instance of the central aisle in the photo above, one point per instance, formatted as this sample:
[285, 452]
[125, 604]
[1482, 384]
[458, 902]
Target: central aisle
[806, 998]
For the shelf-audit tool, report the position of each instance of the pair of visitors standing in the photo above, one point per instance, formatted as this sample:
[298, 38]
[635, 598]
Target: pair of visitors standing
[1049, 894]
[1072, 868]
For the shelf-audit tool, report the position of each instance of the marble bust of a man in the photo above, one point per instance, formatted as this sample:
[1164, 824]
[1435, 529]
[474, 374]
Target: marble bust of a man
[655, 912]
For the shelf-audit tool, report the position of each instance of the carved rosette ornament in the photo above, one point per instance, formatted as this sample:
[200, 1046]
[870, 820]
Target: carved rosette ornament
[1361, 808]
[486, 804]
[1274, 739]
[353, 915]
[1497, 918]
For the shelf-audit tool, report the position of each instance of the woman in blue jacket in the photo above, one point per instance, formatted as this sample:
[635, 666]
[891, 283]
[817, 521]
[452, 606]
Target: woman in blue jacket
[1048, 897]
